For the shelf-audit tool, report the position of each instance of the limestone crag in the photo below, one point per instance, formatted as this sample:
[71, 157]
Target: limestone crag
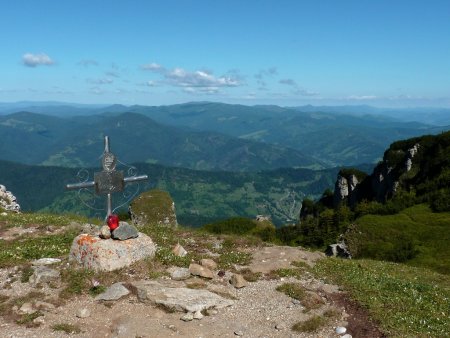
[381, 185]
[7, 200]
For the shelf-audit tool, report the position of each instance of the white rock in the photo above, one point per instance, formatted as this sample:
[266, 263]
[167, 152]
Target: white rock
[341, 330]
[83, 313]
[26, 308]
[179, 251]
[198, 315]
[46, 261]
[347, 336]
[187, 317]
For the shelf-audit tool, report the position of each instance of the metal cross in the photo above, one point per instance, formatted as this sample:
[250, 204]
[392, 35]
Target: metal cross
[108, 180]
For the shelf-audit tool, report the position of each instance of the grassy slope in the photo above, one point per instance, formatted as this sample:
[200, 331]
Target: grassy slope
[405, 301]
[429, 231]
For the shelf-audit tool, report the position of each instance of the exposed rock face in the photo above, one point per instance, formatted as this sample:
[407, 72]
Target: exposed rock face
[153, 207]
[179, 299]
[7, 200]
[99, 254]
[381, 185]
[346, 189]
[338, 250]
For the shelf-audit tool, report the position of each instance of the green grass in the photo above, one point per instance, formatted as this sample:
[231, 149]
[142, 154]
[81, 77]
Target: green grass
[386, 236]
[293, 290]
[312, 324]
[67, 328]
[26, 249]
[406, 301]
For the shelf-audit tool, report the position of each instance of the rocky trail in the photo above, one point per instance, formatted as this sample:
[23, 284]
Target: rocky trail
[182, 303]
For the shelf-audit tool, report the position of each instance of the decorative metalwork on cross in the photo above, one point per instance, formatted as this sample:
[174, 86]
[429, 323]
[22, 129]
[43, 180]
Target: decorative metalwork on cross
[109, 180]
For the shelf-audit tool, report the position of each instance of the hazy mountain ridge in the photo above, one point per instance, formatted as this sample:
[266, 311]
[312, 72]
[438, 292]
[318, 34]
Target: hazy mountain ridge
[40, 139]
[322, 135]
[345, 135]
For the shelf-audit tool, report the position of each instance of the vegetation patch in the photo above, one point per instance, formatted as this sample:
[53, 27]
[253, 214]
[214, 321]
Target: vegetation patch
[27, 319]
[26, 249]
[406, 301]
[311, 325]
[67, 328]
[228, 259]
[416, 236]
[293, 290]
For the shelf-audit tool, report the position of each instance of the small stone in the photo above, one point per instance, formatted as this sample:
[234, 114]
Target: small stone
[179, 251]
[341, 330]
[280, 326]
[43, 274]
[83, 313]
[295, 302]
[239, 333]
[346, 336]
[124, 231]
[211, 312]
[172, 327]
[39, 320]
[26, 308]
[198, 270]
[221, 273]
[238, 281]
[44, 306]
[208, 263]
[179, 273]
[46, 261]
[114, 292]
[4, 214]
[105, 232]
[187, 317]
[198, 315]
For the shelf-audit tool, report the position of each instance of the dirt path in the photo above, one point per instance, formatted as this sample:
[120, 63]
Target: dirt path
[259, 310]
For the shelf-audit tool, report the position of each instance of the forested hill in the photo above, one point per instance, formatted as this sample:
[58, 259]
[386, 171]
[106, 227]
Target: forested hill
[200, 196]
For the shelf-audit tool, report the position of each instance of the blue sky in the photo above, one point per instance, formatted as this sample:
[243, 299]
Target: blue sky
[383, 53]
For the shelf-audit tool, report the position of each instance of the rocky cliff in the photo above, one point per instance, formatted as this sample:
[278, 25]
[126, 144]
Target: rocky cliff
[419, 167]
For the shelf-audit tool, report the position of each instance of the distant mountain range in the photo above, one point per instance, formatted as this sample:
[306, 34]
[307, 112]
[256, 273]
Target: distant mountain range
[32, 138]
[206, 135]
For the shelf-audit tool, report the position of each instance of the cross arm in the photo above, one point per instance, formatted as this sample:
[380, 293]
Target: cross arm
[135, 178]
[81, 185]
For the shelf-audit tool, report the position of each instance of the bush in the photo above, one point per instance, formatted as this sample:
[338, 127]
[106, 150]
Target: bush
[231, 226]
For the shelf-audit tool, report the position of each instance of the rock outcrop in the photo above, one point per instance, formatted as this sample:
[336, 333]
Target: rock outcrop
[98, 254]
[153, 207]
[8, 201]
[352, 186]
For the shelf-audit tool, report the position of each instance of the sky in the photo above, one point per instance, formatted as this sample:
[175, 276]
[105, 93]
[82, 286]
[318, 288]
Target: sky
[390, 53]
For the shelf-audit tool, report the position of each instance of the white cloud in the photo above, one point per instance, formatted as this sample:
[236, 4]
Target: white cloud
[33, 60]
[100, 81]
[88, 62]
[362, 97]
[296, 89]
[288, 82]
[182, 78]
[154, 67]
[199, 81]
